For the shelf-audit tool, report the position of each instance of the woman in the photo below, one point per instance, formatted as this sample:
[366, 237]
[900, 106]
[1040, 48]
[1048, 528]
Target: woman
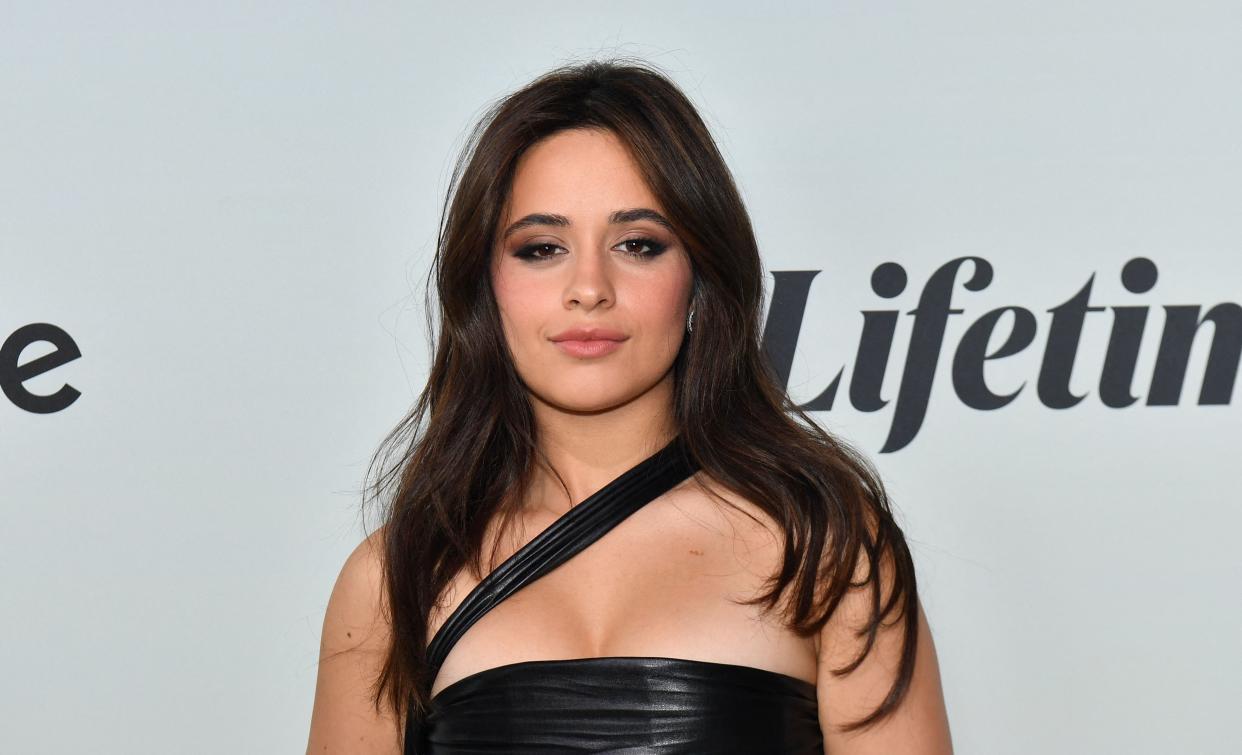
[670, 542]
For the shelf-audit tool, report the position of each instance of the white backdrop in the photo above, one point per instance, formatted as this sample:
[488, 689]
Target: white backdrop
[229, 209]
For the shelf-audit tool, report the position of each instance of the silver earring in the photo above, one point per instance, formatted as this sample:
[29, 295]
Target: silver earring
[690, 321]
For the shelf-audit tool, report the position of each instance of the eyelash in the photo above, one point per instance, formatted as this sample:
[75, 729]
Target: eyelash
[527, 252]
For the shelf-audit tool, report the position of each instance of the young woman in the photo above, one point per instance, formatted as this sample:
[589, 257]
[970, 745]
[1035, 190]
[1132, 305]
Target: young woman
[606, 528]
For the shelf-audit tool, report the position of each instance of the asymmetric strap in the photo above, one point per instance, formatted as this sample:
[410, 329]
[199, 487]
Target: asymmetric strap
[567, 536]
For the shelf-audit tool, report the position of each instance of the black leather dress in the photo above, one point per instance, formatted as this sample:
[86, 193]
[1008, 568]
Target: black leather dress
[622, 704]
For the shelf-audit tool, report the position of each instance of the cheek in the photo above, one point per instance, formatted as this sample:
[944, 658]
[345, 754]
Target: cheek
[658, 310]
[663, 303]
[521, 303]
[508, 294]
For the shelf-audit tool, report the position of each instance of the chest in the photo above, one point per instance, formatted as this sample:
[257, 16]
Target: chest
[670, 580]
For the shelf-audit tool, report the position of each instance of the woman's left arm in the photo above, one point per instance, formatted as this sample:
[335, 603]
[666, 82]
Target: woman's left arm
[919, 725]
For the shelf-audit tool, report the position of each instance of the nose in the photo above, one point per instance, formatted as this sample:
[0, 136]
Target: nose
[590, 282]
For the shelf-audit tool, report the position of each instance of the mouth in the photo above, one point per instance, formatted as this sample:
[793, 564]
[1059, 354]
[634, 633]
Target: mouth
[588, 349]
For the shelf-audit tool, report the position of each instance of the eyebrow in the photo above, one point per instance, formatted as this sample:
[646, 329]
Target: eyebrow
[618, 216]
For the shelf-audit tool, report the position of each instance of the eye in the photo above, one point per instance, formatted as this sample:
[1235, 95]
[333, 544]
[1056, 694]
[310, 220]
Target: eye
[655, 247]
[532, 251]
[535, 252]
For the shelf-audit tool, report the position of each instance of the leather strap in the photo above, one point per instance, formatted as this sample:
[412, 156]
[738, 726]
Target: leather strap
[567, 536]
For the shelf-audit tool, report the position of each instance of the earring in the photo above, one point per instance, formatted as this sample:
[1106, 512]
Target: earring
[690, 321]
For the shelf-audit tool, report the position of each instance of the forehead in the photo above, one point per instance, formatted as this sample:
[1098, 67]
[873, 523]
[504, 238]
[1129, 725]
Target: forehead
[584, 171]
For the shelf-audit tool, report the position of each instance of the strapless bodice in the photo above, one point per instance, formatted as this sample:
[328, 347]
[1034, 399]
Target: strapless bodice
[624, 704]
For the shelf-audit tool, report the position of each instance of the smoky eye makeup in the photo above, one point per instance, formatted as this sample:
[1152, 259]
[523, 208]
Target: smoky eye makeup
[537, 250]
[654, 247]
[645, 247]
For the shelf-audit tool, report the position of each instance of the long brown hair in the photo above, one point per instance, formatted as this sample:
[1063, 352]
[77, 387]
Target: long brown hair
[453, 462]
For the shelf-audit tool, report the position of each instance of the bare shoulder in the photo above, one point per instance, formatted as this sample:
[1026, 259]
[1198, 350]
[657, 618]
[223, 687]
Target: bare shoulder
[355, 638]
[356, 597]
[919, 725]
[747, 519]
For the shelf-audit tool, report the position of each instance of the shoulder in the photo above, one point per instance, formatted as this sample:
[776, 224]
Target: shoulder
[359, 586]
[354, 618]
[856, 674]
[749, 520]
[353, 647]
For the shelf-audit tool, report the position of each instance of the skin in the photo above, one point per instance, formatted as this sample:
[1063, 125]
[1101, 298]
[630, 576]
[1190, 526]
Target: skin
[660, 578]
[596, 416]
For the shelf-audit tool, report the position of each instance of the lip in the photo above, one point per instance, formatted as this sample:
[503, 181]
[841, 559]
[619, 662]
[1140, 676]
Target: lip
[595, 348]
[589, 342]
[590, 334]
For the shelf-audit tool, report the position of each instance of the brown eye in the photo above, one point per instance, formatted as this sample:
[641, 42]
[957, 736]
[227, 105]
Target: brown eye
[533, 251]
[654, 247]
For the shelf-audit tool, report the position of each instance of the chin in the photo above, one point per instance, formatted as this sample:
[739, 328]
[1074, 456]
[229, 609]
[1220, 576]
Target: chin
[593, 397]
[586, 404]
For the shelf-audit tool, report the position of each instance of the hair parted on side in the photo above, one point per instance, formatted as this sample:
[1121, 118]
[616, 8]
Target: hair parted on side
[453, 462]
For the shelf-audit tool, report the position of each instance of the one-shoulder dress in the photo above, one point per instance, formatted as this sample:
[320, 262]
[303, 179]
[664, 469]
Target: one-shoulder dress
[622, 704]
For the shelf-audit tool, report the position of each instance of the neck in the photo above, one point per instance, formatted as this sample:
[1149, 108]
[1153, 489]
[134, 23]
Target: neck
[590, 449]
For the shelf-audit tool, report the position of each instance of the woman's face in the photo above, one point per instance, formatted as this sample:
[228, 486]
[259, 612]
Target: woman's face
[581, 245]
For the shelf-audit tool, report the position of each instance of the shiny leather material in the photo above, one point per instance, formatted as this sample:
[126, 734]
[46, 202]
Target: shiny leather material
[640, 704]
[623, 704]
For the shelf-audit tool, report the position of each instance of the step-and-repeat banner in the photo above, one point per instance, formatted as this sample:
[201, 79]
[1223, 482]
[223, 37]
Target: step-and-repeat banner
[1003, 250]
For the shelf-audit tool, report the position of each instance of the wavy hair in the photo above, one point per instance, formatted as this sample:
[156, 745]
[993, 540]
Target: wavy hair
[452, 463]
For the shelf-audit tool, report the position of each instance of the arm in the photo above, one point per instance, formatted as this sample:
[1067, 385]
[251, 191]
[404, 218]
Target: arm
[355, 638]
[920, 724]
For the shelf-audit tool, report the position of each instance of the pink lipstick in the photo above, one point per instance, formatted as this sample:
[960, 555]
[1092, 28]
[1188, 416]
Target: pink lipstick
[589, 342]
